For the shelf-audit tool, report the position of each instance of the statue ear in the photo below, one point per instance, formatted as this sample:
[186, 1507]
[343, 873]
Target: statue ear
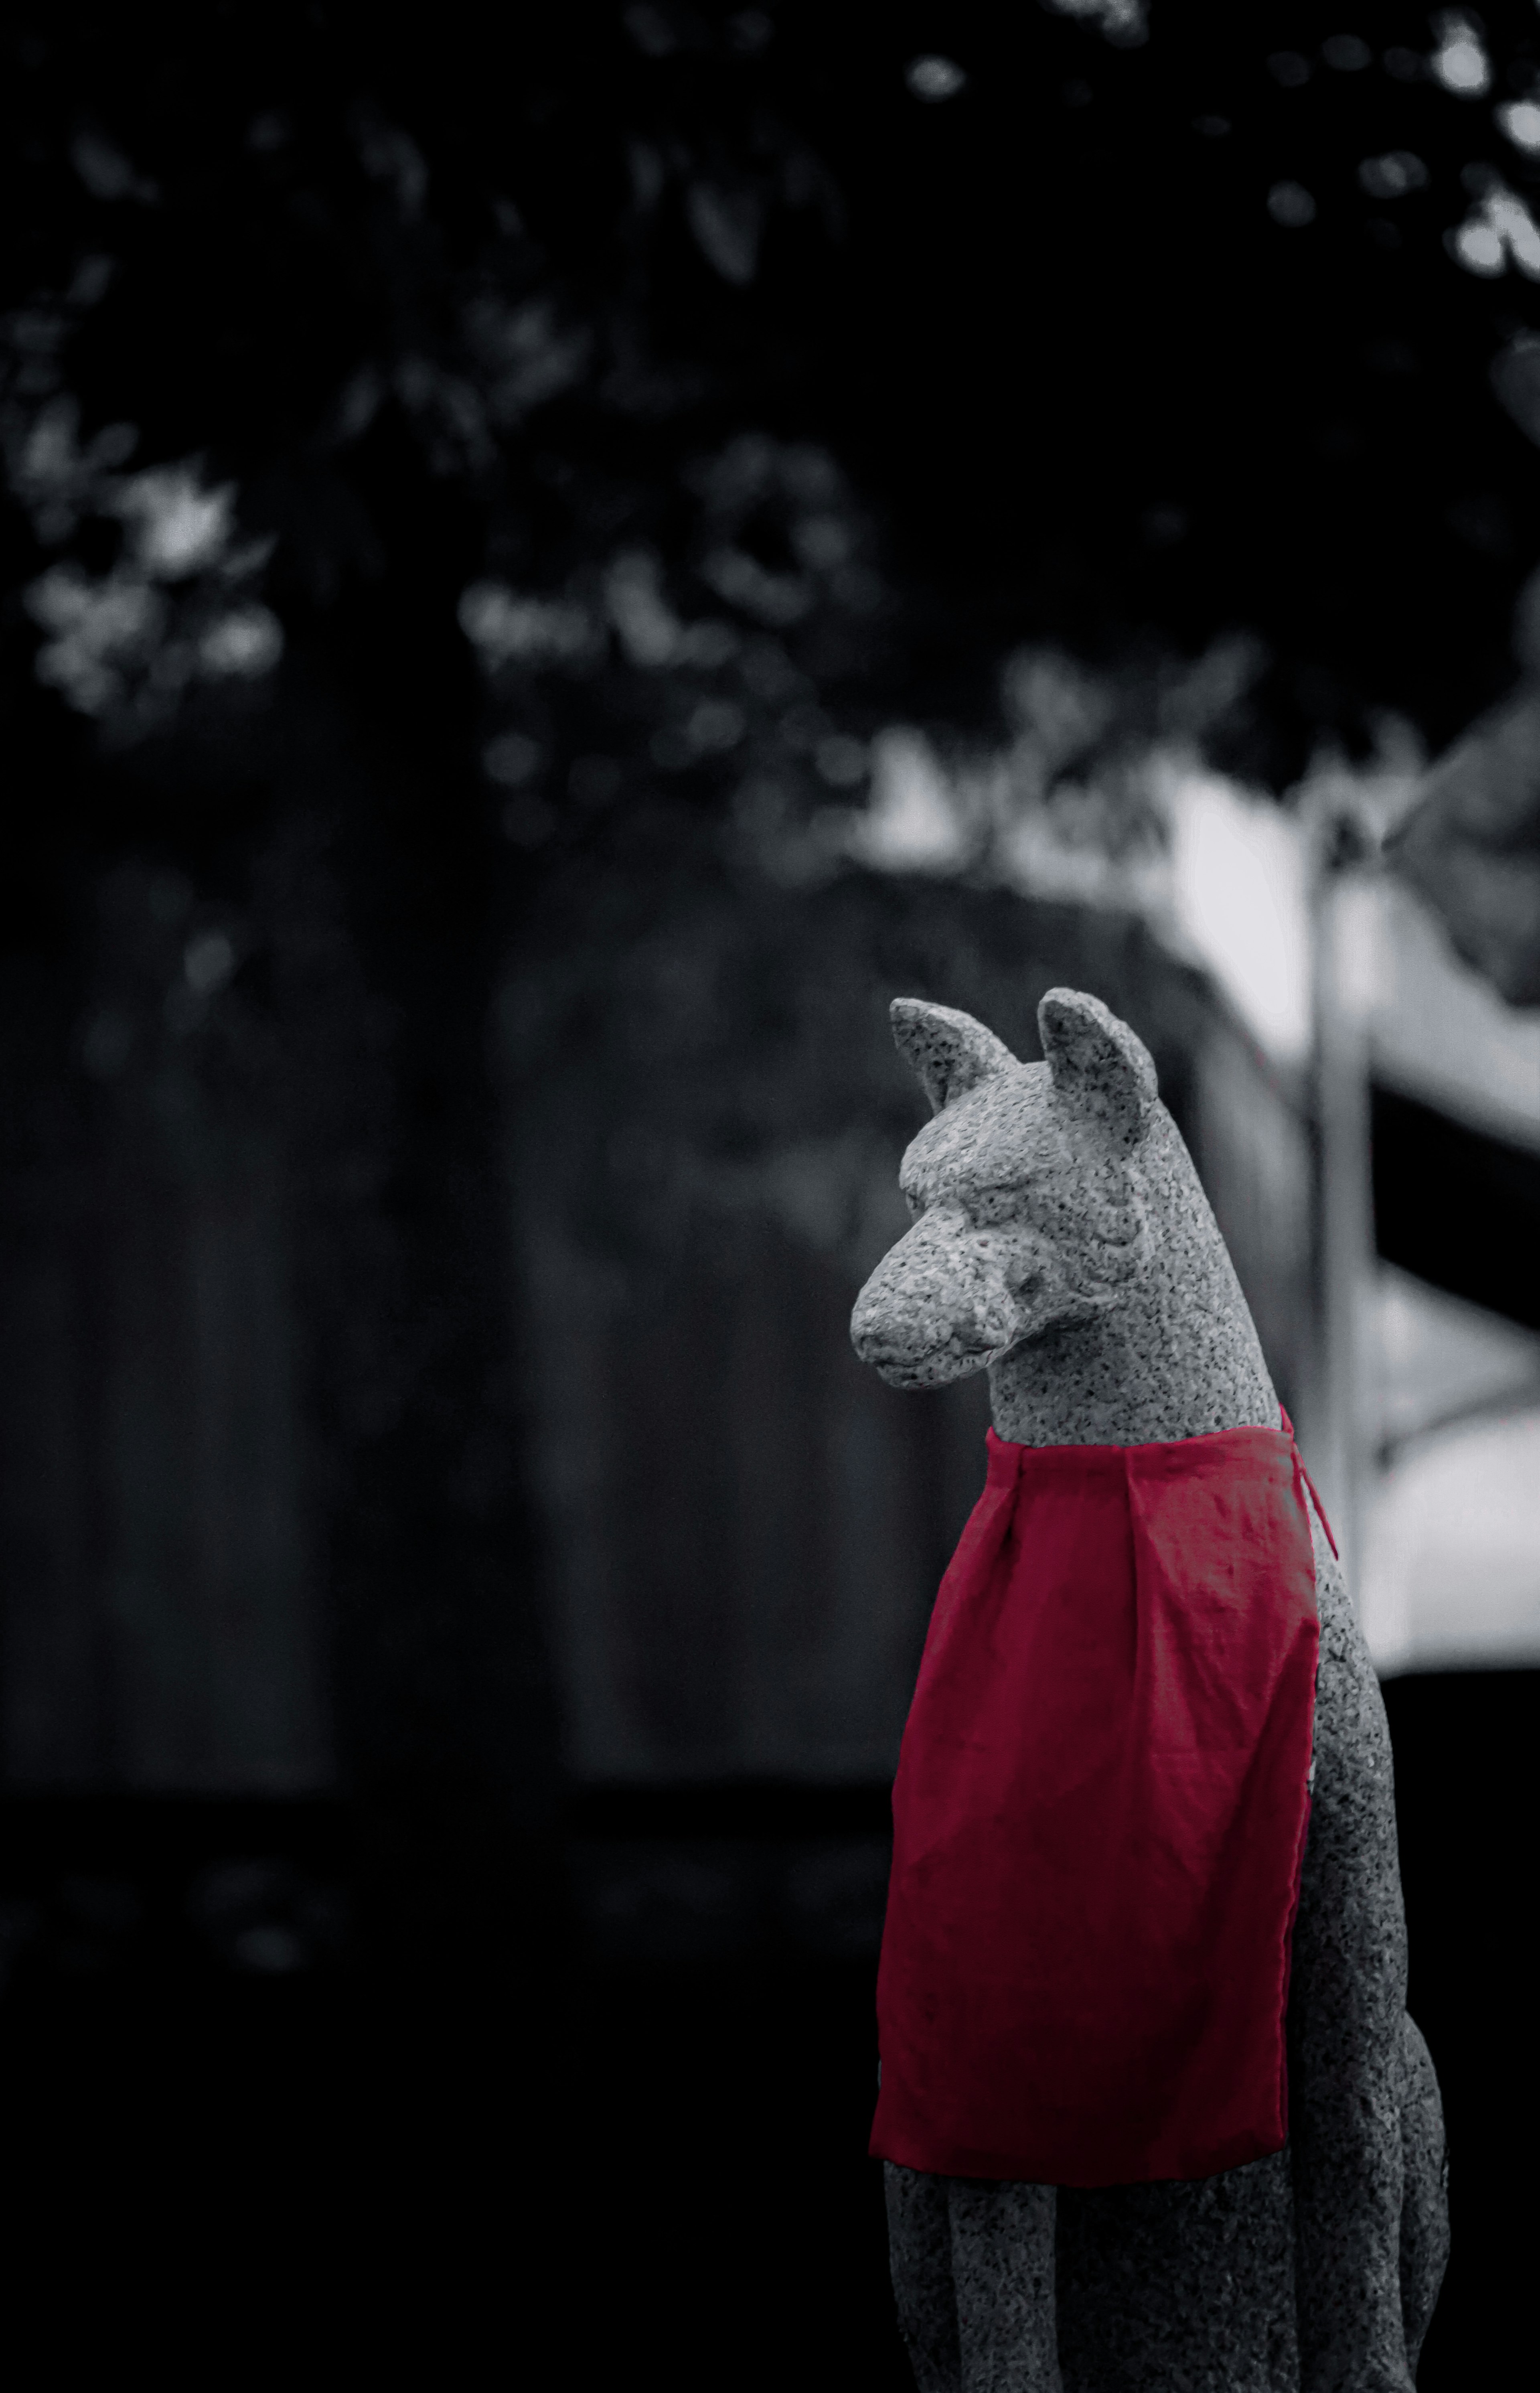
[1096, 1061]
[949, 1051]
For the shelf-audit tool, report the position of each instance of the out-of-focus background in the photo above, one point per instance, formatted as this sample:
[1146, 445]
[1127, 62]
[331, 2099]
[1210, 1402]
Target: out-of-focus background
[553, 562]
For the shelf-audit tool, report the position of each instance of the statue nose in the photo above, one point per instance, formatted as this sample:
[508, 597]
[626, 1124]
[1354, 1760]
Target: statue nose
[885, 1316]
[922, 1295]
[888, 1311]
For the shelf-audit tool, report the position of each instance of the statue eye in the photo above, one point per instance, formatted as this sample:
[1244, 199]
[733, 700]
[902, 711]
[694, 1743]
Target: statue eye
[989, 1206]
[916, 1204]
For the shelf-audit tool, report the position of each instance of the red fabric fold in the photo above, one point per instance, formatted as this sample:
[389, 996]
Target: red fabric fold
[1099, 1820]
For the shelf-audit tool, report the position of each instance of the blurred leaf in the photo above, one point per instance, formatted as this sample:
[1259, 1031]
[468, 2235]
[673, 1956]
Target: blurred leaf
[727, 226]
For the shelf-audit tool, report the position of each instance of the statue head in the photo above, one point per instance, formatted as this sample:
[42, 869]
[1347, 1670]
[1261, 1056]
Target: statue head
[1025, 1189]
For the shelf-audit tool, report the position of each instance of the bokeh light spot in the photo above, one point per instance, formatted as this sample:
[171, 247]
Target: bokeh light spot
[1460, 61]
[1520, 121]
[1290, 205]
[511, 758]
[934, 78]
[1479, 249]
[1389, 178]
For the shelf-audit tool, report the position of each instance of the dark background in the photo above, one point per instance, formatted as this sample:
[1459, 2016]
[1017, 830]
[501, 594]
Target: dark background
[458, 296]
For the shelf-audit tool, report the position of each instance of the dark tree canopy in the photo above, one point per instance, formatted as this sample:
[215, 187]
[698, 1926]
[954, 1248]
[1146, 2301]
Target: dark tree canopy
[1110, 339]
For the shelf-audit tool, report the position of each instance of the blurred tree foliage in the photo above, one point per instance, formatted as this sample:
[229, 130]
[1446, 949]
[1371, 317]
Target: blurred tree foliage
[320, 337]
[600, 346]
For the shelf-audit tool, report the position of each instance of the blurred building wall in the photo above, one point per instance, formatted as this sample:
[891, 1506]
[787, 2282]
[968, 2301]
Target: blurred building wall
[749, 1527]
[704, 1114]
[161, 1628]
[159, 1612]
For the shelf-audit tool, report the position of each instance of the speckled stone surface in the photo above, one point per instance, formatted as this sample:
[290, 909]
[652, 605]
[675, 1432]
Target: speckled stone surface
[973, 2274]
[1062, 1242]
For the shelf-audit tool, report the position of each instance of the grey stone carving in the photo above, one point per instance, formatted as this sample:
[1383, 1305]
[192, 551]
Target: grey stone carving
[1062, 1242]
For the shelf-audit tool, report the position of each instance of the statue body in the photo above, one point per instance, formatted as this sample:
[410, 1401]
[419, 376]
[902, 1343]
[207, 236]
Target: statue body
[1062, 1241]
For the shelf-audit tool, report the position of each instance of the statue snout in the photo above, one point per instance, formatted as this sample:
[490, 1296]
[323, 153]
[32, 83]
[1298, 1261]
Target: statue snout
[937, 1307]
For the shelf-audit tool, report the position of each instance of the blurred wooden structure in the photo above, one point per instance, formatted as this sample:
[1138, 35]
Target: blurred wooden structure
[1445, 1308]
[162, 1623]
[703, 1115]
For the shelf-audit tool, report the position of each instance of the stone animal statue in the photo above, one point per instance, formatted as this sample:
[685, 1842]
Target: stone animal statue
[1063, 1243]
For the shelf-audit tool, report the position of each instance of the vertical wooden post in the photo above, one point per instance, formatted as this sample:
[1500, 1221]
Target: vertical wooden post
[1342, 933]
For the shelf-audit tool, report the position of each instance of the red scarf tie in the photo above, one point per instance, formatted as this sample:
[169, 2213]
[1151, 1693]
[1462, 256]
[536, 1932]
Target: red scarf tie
[1099, 1819]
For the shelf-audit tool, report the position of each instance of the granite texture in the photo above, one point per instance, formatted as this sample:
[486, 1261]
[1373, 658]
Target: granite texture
[974, 2273]
[1062, 1242]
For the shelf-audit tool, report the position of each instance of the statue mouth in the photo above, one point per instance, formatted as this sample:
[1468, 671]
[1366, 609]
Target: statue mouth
[930, 1366]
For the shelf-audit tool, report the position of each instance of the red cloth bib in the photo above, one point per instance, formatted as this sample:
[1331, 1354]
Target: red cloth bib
[1099, 1820]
